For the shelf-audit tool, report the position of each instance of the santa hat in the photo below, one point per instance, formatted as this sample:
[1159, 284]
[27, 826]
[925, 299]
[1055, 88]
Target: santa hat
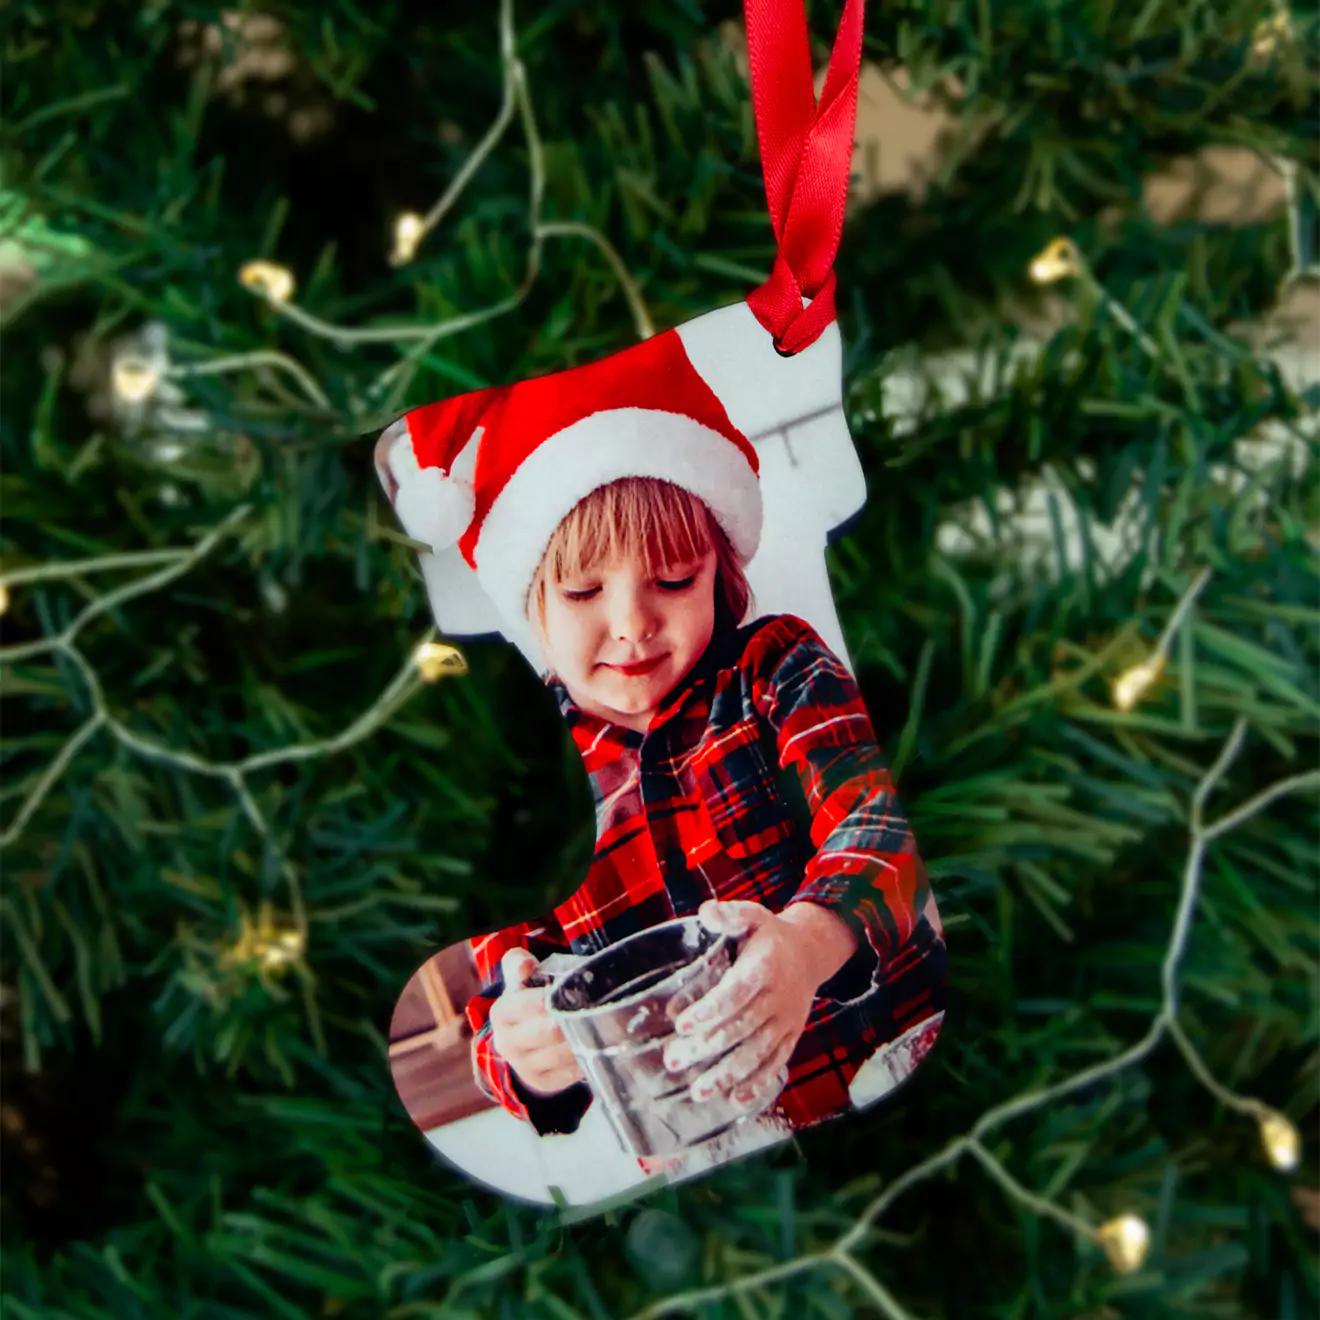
[495, 472]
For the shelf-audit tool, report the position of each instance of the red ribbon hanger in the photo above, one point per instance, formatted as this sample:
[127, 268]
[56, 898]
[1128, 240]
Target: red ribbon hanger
[806, 155]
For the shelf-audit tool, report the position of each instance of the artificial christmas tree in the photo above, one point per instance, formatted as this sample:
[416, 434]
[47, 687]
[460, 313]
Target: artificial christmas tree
[233, 807]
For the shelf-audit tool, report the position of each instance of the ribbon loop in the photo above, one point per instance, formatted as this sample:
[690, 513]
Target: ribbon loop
[806, 157]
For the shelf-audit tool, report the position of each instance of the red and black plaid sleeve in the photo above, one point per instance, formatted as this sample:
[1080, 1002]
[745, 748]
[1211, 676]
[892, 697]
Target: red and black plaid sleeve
[558, 1113]
[862, 864]
[865, 867]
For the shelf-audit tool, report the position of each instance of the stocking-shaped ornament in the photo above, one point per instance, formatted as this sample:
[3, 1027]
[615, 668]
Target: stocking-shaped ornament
[755, 947]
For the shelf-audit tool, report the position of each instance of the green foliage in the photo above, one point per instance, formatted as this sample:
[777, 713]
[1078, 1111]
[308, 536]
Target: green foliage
[187, 1138]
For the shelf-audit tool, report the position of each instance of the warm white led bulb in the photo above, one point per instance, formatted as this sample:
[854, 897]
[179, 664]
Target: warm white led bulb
[408, 233]
[135, 379]
[1056, 261]
[1282, 1141]
[1133, 684]
[281, 950]
[1126, 1241]
[272, 282]
[434, 660]
[1269, 33]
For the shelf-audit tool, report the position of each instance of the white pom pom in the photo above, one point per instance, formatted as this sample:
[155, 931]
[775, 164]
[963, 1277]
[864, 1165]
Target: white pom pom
[434, 508]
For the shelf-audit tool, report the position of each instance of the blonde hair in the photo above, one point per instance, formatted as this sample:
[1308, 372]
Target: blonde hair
[644, 517]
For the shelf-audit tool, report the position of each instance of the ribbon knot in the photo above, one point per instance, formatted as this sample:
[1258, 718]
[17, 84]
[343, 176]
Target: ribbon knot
[795, 319]
[806, 156]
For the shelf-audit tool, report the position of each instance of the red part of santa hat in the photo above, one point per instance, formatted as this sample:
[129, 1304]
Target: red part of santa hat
[495, 472]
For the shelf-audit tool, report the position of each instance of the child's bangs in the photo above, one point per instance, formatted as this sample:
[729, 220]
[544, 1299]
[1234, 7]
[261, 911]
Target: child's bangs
[637, 518]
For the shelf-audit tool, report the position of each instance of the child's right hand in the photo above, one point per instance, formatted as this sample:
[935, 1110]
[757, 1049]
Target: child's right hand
[524, 1033]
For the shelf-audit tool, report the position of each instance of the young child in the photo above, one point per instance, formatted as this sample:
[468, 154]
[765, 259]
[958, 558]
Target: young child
[733, 764]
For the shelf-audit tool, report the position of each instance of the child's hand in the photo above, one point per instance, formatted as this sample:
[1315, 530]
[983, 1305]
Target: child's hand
[763, 1000]
[525, 1034]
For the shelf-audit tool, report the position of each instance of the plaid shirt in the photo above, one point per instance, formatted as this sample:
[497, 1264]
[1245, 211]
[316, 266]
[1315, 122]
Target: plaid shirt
[758, 778]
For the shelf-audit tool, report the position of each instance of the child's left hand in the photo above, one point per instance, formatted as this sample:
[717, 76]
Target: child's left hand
[763, 1000]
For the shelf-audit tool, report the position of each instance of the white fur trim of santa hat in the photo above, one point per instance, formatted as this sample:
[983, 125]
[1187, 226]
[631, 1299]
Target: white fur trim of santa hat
[601, 448]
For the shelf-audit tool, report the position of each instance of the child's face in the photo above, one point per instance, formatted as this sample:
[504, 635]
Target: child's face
[620, 639]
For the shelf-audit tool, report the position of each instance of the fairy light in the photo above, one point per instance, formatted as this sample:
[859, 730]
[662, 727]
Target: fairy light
[1059, 259]
[1133, 684]
[1270, 32]
[1281, 1140]
[1056, 261]
[409, 229]
[435, 660]
[1126, 1240]
[269, 945]
[134, 378]
[270, 281]
[167, 451]
[282, 950]
[4, 599]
